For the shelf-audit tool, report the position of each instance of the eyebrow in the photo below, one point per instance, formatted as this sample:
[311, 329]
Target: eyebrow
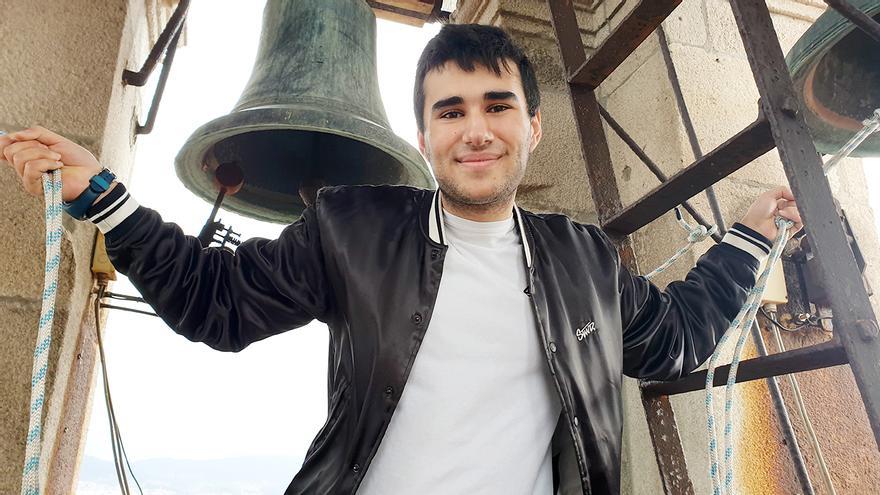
[489, 95]
[499, 95]
[447, 102]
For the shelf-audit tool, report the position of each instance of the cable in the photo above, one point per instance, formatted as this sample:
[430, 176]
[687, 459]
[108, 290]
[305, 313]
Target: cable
[808, 323]
[826, 474]
[780, 325]
[119, 454]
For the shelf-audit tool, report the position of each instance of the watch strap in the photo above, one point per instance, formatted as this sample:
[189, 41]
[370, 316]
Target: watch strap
[98, 184]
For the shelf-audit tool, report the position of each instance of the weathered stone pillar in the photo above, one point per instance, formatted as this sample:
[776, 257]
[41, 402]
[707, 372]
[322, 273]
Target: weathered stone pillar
[62, 68]
[721, 97]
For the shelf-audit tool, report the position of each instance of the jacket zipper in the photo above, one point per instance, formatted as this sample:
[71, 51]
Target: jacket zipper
[526, 236]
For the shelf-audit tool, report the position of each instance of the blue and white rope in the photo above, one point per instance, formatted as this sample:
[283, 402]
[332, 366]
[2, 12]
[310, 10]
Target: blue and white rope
[30, 480]
[695, 235]
[745, 317]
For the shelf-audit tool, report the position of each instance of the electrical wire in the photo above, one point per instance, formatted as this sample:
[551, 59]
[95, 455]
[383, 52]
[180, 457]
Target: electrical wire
[814, 440]
[808, 323]
[119, 454]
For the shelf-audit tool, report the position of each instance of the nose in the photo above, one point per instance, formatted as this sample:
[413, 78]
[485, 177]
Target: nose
[477, 131]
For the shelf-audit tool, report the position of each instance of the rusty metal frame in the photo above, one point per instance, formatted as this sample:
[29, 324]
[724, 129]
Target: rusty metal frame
[606, 197]
[854, 319]
[780, 125]
[809, 358]
[652, 166]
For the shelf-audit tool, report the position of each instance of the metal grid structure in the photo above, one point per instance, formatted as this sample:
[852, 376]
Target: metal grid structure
[780, 125]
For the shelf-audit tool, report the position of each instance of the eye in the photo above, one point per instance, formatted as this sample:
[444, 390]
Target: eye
[452, 114]
[498, 108]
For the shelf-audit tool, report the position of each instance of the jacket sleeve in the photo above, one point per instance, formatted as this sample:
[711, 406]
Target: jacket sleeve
[226, 300]
[669, 333]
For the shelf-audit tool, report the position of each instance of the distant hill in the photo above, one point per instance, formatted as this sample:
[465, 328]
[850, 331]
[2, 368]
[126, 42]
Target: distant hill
[235, 476]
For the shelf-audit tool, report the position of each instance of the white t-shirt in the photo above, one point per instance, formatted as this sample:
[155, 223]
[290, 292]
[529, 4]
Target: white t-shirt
[479, 407]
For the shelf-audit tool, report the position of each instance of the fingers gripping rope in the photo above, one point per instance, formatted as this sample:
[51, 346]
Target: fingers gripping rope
[30, 481]
[695, 235]
[742, 322]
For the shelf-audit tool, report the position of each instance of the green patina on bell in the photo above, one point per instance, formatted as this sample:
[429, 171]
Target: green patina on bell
[836, 72]
[310, 114]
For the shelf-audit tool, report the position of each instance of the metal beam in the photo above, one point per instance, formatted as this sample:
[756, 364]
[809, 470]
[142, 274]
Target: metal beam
[606, 198]
[854, 319]
[632, 31]
[794, 361]
[747, 145]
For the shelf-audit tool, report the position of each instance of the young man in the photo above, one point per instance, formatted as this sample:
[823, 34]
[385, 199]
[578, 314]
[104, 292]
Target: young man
[523, 324]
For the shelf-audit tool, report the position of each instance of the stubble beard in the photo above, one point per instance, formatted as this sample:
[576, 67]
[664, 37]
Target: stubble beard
[456, 196]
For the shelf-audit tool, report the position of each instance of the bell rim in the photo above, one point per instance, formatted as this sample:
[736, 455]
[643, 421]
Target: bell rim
[828, 29]
[192, 155]
[834, 26]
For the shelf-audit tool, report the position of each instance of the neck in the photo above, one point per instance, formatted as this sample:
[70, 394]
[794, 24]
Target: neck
[479, 213]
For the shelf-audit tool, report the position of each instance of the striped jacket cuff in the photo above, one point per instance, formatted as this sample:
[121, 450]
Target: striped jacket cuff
[748, 240]
[112, 209]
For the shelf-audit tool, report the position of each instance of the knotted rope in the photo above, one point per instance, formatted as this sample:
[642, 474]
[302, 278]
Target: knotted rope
[695, 235]
[30, 482]
[743, 322]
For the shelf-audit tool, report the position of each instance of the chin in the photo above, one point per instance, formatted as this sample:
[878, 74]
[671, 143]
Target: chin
[479, 197]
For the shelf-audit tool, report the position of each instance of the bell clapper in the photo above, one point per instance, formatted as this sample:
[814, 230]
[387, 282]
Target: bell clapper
[229, 179]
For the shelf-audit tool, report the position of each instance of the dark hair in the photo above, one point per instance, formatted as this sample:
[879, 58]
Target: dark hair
[470, 45]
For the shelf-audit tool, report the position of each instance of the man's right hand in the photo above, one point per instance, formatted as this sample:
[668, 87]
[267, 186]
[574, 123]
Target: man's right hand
[37, 150]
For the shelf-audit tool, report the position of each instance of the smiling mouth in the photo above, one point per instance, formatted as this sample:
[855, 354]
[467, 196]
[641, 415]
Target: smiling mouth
[478, 162]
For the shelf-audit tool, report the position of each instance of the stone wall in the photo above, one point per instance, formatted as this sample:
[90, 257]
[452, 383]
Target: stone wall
[63, 64]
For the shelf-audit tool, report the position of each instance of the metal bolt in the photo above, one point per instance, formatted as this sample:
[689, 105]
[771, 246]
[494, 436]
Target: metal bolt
[789, 107]
[868, 329]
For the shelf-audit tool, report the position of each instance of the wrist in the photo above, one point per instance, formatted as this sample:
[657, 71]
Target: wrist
[98, 184]
[105, 193]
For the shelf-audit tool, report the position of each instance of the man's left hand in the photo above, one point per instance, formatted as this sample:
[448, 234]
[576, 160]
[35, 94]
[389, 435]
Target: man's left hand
[762, 214]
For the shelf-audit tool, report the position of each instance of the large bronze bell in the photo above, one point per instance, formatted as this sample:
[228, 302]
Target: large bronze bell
[835, 68]
[310, 115]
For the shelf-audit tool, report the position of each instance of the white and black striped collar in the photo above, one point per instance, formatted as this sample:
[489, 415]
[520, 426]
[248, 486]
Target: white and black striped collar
[437, 231]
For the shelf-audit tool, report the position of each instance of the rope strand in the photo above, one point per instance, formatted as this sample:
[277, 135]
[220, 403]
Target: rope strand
[30, 480]
[742, 322]
[695, 235]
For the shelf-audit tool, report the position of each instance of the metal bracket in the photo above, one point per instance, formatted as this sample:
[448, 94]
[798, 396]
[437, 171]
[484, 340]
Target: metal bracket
[166, 40]
[167, 44]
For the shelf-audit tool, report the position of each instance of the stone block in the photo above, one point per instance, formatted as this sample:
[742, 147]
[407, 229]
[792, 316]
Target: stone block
[645, 98]
[687, 24]
[19, 334]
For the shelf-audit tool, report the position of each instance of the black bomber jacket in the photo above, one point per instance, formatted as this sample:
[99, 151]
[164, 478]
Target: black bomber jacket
[367, 261]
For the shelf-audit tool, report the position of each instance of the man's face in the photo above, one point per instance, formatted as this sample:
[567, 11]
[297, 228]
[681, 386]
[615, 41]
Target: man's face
[478, 133]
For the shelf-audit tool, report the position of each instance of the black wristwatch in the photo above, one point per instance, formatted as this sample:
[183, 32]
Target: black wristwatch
[98, 184]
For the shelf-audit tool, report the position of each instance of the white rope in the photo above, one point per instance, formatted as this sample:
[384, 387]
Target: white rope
[871, 126]
[30, 480]
[743, 323]
[695, 235]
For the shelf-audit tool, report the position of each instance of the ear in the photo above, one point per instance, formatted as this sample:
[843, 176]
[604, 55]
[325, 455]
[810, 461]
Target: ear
[421, 138]
[535, 123]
